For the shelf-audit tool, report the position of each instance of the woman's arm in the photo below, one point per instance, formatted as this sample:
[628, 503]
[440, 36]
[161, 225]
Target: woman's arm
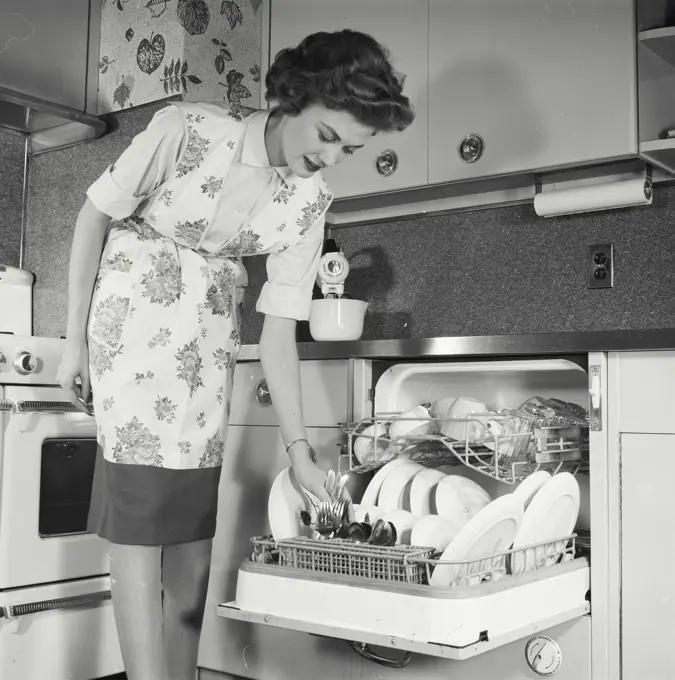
[90, 230]
[85, 254]
[279, 358]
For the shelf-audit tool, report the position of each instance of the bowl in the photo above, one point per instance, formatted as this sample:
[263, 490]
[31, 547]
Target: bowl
[336, 319]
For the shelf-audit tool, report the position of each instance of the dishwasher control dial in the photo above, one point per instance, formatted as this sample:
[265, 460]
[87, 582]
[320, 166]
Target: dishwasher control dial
[25, 363]
[543, 655]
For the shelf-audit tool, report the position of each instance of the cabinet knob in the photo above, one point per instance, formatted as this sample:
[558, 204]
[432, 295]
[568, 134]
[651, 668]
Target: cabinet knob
[387, 162]
[25, 363]
[471, 148]
[262, 394]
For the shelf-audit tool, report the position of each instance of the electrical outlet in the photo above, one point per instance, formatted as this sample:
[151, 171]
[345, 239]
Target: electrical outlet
[601, 265]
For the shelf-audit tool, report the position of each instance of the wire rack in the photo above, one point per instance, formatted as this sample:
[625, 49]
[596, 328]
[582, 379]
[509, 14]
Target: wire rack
[509, 457]
[345, 558]
[407, 564]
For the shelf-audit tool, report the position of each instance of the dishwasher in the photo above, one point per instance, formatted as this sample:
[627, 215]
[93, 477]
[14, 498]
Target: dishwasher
[492, 619]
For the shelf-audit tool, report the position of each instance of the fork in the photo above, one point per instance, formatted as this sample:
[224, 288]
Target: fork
[329, 517]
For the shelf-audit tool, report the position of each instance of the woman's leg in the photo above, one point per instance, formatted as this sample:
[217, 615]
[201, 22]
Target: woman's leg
[136, 586]
[185, 575]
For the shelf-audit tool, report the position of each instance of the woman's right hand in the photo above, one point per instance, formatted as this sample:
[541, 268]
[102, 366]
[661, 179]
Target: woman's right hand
[74, 365]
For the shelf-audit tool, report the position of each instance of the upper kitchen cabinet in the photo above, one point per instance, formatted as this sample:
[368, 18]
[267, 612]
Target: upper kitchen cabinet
[656, 82]
[48, 52]
[524, 85]
[403, 27]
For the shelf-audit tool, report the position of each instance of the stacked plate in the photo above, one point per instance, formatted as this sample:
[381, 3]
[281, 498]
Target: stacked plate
[460, 520]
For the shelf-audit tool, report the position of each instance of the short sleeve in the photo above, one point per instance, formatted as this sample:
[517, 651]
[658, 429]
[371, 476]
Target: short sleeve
[291, 275]
[144, 166]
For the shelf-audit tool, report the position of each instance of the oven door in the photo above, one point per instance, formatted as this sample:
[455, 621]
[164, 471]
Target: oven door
[46, 472]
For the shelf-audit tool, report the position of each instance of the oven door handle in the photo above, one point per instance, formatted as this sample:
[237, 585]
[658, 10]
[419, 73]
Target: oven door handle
[15, 611]
[25, 406]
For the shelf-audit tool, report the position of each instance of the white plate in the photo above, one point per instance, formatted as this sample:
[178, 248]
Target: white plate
[286, 501]
[471, 495]
[404, 522]
[528, 488]
[423, 485]
[432, 531]
[395, 491]
[447, 503]
[551, 514]
[373, 490]
[461, 482]
[491, 531]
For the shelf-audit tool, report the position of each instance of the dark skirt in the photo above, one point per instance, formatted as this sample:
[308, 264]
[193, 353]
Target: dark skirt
[148, 505]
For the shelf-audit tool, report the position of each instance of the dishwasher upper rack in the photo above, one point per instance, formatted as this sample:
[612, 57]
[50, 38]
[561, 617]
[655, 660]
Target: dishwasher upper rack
[509, 458]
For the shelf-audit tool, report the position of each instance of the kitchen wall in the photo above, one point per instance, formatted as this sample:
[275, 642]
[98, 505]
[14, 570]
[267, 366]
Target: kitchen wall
[507, 271]
[487, 272]
[11, 197]
[206, 50]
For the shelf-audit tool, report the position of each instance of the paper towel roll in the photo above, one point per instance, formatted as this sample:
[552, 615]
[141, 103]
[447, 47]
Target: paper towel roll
[587, 199]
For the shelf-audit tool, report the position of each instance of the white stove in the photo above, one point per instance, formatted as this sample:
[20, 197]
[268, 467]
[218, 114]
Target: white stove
[54, 583]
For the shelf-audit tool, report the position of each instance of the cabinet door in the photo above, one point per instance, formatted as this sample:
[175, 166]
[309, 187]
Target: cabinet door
[543, 83]
[47, 49]
[253, 458]
[647, 556]
[402, 26]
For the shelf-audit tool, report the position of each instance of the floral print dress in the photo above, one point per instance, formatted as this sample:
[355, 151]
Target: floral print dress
[164, 321]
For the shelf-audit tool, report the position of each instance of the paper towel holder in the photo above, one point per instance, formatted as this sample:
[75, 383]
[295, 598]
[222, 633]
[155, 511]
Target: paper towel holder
[588, 190]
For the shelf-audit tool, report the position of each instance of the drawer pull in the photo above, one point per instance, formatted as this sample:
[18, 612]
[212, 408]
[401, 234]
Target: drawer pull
[262, 393]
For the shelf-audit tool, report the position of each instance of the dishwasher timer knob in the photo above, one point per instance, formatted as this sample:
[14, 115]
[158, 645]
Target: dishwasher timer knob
[543, 655]
[25, 363]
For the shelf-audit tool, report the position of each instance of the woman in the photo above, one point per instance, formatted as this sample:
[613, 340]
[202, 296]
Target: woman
[153, 321]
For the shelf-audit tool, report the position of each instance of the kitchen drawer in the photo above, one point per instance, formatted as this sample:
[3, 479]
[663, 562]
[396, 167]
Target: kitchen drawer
[643, 384]
[325, 394]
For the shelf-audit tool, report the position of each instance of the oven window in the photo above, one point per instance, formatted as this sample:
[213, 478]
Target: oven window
[66, 478]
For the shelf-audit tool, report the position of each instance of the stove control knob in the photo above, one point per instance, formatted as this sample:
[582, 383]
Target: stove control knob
[25, 363]
[3, 361]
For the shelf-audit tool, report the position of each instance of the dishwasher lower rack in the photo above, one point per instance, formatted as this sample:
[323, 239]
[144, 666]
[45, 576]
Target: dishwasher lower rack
[453, 623]
[347, 559]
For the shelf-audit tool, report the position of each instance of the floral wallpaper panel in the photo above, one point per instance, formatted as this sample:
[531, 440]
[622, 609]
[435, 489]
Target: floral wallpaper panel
[205, 50]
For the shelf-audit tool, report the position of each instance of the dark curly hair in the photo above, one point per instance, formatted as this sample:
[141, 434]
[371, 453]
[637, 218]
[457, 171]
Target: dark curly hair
[344, 71]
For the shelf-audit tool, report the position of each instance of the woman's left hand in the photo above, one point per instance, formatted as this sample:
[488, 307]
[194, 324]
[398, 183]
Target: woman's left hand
[310, 476]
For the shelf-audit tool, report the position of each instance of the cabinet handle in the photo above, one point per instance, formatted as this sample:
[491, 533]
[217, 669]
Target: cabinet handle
[387, 162]
[262, 393]
[471, 148]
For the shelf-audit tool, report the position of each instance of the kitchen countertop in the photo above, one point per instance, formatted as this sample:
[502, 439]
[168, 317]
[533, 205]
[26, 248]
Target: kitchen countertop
[494, 345]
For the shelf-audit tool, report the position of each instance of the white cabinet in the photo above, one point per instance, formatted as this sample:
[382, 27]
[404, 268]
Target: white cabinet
[402, 26]
[535, 86]
[543, 84]
[49, 50]
[254, 456]
[647, 556]
[645, 392]
[640, 472]
[325, 394]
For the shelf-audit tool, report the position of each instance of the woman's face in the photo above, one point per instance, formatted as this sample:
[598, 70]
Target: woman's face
[317, 138]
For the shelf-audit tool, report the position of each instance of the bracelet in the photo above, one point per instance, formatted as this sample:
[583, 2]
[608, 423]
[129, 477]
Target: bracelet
[295, 441]
[312, 452]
